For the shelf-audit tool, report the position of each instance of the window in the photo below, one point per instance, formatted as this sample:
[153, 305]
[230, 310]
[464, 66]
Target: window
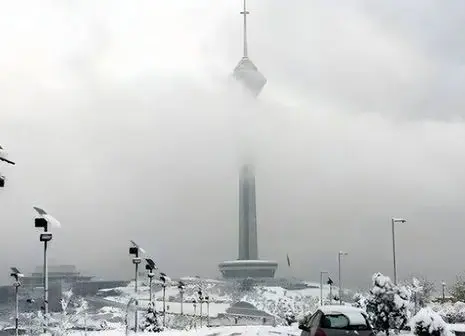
[335, 322]
[352, 321]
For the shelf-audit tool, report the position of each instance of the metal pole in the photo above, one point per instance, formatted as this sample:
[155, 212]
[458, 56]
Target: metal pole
[394, 250]
[443, 292]
[16, 310]
[150, 291]
[45, 286]
[330, 294]
[208, 313]
[321, 288]
[201, 301]
[195, 315]
[136, 313]
[164, 305]
[182, 309]
[340, 279]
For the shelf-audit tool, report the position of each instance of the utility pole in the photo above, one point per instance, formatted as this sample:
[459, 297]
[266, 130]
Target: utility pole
[393, 222]
[340, 254]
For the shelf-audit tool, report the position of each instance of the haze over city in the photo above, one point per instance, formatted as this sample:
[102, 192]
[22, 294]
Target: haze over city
[124, 124]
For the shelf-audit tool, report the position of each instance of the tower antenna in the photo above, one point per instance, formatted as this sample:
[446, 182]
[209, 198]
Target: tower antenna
[244, 13]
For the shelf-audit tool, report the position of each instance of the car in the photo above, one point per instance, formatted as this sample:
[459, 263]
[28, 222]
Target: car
[336, 321]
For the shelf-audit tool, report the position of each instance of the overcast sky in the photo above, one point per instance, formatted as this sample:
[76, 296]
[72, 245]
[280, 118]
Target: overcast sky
[125, 125]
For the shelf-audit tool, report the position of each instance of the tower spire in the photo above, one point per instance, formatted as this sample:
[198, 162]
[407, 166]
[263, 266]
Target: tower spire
[244, 13]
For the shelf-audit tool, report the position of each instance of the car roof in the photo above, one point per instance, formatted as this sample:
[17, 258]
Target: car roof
[334, 309]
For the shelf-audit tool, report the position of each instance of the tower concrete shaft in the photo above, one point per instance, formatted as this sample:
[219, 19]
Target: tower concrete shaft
[248, 246]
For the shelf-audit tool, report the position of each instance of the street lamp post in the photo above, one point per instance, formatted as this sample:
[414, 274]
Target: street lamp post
[150, 267]
[443, 292]
[43, 221]
[163, 279]
[207, 300]
[181, 287]
[340, 254]
[194, 303]
[321, 286]
[201, 304]
[134, 250]
[16, 274]
[393, 222]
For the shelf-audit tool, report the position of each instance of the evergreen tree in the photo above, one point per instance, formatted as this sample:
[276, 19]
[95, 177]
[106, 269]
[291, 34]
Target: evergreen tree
[387, 305]
[151, 321]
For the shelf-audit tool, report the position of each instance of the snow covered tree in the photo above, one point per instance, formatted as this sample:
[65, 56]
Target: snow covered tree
[151, 321]
[360, 301]
[458, 290]
[422, 290]
[72, 312]
[387, 304]
[60, 324]
[429, 323]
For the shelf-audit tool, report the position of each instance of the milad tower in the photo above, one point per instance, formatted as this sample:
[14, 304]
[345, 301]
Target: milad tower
[248, 264]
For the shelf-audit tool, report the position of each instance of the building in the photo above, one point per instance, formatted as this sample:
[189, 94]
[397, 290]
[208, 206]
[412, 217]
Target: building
[248, 264]
[61, 278]
[62, 274]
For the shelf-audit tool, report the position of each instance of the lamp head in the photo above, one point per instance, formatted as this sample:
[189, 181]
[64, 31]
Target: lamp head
[150, 264]
[15, 273]
[133, 243]
[49, 219]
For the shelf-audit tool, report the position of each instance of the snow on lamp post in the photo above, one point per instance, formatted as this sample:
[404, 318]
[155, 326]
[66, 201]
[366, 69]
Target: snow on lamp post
[207, 300]
[201, 304]
[393, 222]
[181, 287]
[321, 286]
[164, 278]
[330, 283]
[3, 157]
[43, 221]
[194, 303]
[340, 254]
[16, 274]
[150, 267]
[134, 250]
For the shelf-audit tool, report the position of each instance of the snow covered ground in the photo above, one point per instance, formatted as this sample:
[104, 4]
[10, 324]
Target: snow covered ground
[270, 299]
[220, 331]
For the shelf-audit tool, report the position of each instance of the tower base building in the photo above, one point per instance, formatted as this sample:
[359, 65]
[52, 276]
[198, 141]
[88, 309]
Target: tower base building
[243, 269]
